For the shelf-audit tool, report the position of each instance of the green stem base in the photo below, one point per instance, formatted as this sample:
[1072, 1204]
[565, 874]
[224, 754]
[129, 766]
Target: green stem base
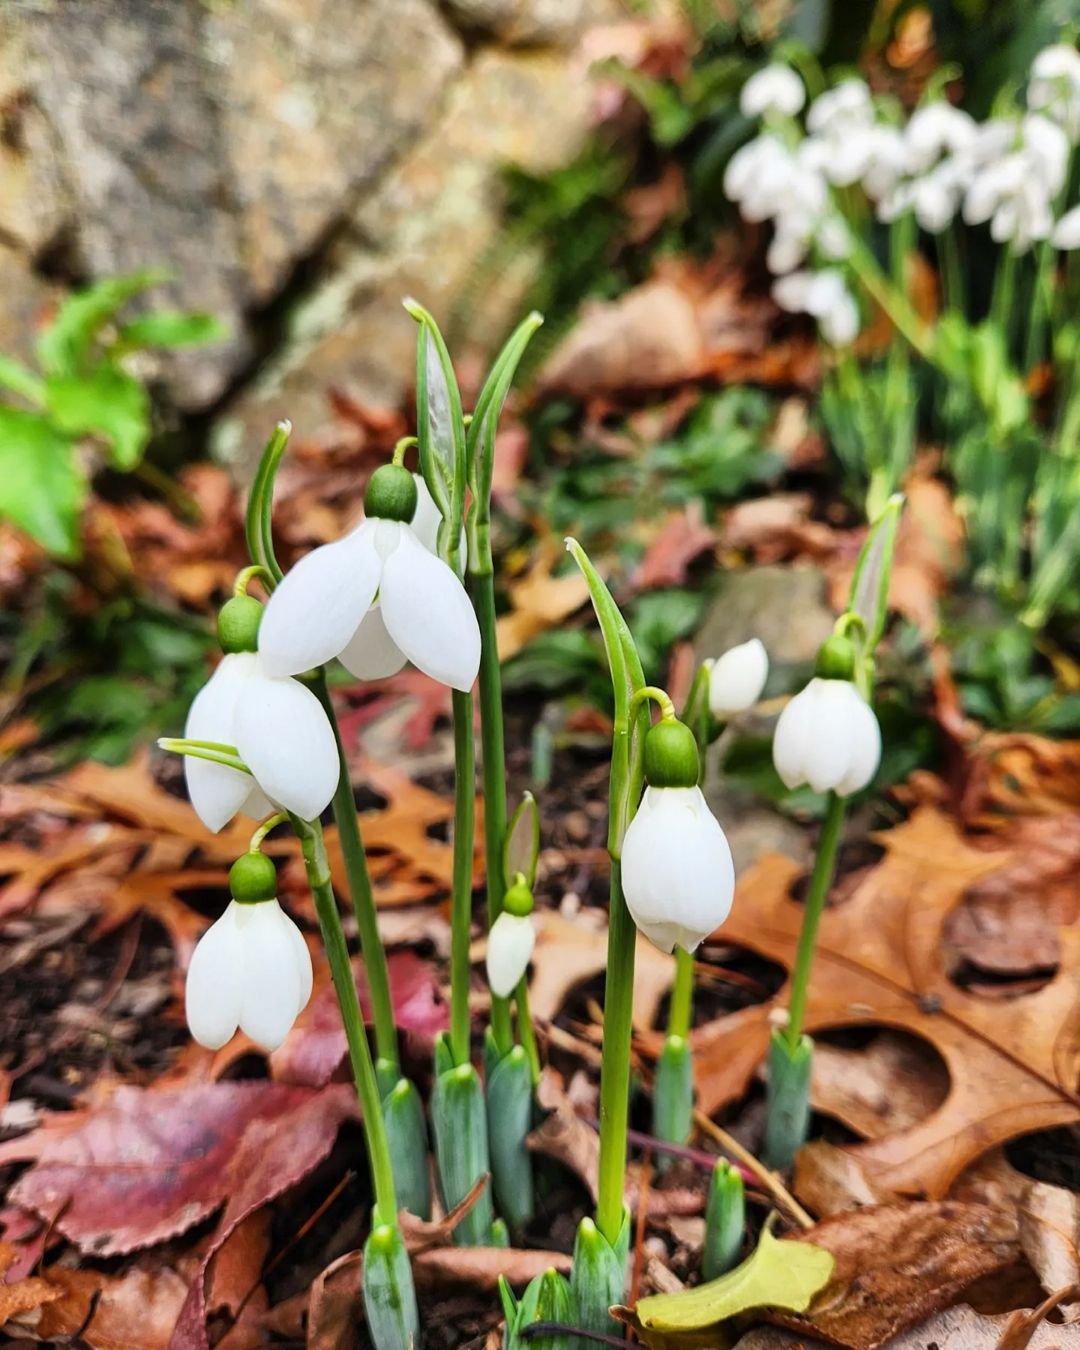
[788, 1095]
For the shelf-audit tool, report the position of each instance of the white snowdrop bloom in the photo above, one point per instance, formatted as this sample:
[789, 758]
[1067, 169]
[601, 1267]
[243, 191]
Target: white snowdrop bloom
[936, 196]
[775, 89]
[1023, 219]
[279, 730]
[1047, 148]
[792, 292]
[840, 110]
[992, 185]
[510, 946]
[324, 606]
[765, 156]
[1067, 231]
[937, 129]
[1054, 86]
[850, 155]
[737, 678]
[787, 249]
[833, 238]
[825, 296]
[839, 323]
[886, 161]
[677, 873]
[828, 737]
[250, 972]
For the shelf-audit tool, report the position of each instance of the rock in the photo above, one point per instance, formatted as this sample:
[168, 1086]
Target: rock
[27, 300]
[34, 208]
[429, 230]
[783, 606]
[531, 22]
[315, 101]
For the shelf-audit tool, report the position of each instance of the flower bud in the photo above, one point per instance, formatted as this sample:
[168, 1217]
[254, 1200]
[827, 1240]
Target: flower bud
[737, 678]
[828, 737]
[677, 873]
[725, 1221]
[238, 624]
[252, 877]
[510, 945]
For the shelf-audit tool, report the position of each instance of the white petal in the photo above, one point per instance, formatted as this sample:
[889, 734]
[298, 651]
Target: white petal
[257, 804]
[318, 606]
[793, 738]
[428, 614]
[737, 678]
[830, 748]
[216, 791]
[270, 982]
[285, 738]
[864, 754]
[302, 957]
[677, 873]
[212, 992]
[372, 654]
[510, 945]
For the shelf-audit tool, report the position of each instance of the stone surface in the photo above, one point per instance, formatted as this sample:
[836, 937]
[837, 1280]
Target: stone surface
[428, 230]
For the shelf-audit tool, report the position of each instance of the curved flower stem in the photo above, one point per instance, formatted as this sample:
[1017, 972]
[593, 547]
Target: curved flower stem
[270, 823]
[526, 1031]
[461, 892]
[363, 898]
[493, 761]
[820, 881]
[682, 995]
[313, 846]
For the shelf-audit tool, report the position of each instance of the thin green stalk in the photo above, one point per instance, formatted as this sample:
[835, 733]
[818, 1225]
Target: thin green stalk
[363, 898]
[820, 881]
[461, 893]
[615, 1068]
[493, 759]
[313, 846]
[952, 273]
[526, 1033]
[1004, 289]
[682, 995]
[896, 306]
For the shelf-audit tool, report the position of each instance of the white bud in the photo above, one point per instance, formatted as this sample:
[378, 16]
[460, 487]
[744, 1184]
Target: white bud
[737, 678]
[828, 737]
[776, 89]
[250, 972]
[509, 949]
[1067, 231]
[677, 873]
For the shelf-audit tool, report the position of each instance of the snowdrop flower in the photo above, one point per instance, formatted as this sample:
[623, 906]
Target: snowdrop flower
[1047, 148]
[677, 873]
[374, 598]
[886, 161]
[251, 971]
[825, 296]
[737, 678]
[1054, 87]
[828, 736]
[758, 177]
[775, 89]
[278, 727]
[934, 130]
[511, 940]
[841, 110]
[1067, 231]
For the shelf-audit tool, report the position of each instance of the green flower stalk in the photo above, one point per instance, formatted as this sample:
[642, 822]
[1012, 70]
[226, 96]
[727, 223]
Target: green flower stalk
[725, 1221]
[548, 1298]
[829, 739]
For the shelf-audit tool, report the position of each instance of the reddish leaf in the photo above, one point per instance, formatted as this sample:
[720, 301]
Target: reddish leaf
[149, 1165]
[684, 537]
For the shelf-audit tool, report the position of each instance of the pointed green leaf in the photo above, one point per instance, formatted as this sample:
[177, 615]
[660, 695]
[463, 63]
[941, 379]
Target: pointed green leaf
[440, 423]
[870, 584]
[778, 1275]
[172, 328]
[521, 851]
[65, 345]
[109, 404]
[257, 519]
[41, 487]
[17, 378]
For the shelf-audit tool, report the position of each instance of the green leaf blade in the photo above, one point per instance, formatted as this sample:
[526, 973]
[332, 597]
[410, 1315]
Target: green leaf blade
[41, 488]
[172, 328]
[64, 347]
[110, 404]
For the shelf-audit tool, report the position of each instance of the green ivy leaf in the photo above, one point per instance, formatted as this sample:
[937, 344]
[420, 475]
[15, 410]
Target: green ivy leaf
[777, 1275]
[172, 328]
[16, 377]
[109, 404]
[41, 488]
[65, 345]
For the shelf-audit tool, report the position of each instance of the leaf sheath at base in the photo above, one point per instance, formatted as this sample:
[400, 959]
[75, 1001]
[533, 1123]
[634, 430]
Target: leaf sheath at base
[788, 1095]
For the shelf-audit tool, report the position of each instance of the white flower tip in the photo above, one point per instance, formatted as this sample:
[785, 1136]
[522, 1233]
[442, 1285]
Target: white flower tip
[285, 427]
[510, 946]
[827, 737]
[737, 678]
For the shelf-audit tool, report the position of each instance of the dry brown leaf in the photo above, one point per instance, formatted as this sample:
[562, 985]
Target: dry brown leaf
[887, 1085]
[540, 600]
[898, 1264]
[106, 1309]
[682, 539]
[568, 954]
[879, 962]
[828, 1180]
[959, 1328]
[479, 1268]
[334, 1310]
[1050, 1234]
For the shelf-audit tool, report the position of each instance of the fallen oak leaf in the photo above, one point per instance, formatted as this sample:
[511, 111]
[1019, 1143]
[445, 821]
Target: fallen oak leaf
[540, 600]
[878, 961]
[897, 1264]
[682, 539]
[480, 1267]
[148, 1165]
[959, 1328]
[1050, 1234]
[102, 1309]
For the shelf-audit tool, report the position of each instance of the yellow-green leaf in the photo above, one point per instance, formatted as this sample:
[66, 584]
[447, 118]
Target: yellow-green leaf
[777, 1275]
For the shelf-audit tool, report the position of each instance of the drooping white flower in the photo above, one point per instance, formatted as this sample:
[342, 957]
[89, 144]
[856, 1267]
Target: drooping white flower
[775, 89]
[825, 296]
[677, 873]
[1067, 231]
[934, 130]
[251, 972]
[510, 945]
[324, 607]
[841, 110]
[737, 678]
[1054, 86]
[280, 731]
[886, 161]
[828, 737]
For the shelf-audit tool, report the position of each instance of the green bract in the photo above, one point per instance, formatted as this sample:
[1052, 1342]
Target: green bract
[252, 878]
[835, 659]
